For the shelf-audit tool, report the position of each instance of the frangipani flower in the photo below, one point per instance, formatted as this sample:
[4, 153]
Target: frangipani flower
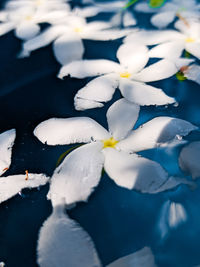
[171, 43]
[168, 12]
[25, 20]
[129, 76]
[189, 159]
[67, 38]
[75, 179]
[11, 185]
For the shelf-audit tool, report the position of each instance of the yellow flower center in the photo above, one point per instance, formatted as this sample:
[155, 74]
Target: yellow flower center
[125, 74]
[111, 142]
[78, 29]
[28, 18]
[190, 40]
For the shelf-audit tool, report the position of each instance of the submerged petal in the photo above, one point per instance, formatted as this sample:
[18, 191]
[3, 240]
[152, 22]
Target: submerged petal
[62, 242]
[13, 184]
[68, 131]
[6, 143]
[143, 94]
[80, 172]
[189, 159]
[155, 132]
[89, 68]
[121, 117]
[134, 172]
[143, 257]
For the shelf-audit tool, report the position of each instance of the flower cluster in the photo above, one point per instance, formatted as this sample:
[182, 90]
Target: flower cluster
[117, 150]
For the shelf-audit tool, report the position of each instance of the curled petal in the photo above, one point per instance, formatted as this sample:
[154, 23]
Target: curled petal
[75, 179]
[62, 242]
[134, 172]
[121, 117]
[155, 132]
[12, 185]
[68, 131]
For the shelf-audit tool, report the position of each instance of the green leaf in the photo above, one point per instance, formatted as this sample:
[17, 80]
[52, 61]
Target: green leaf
[156, 3]
[130, 3]
[63, 155]
[180, 76]
[187, 54]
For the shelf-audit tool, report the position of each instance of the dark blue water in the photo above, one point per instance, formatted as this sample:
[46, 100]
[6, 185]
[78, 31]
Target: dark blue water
[119, 221]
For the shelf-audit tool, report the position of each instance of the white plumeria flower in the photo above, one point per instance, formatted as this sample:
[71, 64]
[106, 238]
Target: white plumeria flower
[172, 215]
[13, 184]
[129, 75]
[170, 11]
[67, 38]
[171, 43]
[189, 159]
[122, 16]
[62, 242]
[75, 179]
[25, 20]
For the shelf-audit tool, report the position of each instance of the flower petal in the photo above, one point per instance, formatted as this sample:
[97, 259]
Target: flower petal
[121, 117]
[68, 48]
[89, 68]
[98, 90]
[5, 27]
[163, 19]
[171, 50]
[143, 94]
[153, 37]
[68, 131]
[193, 73]
[134, 172]
[133, 56]
[157, 71]
[155, 132]
[106, 35]
[12, 185]
[142, 257]
[80, 172]
[27, 30]
[6, 142]
[189, 159]
[193, 49]
[62, 242]
[42, 39]
[129, 19]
